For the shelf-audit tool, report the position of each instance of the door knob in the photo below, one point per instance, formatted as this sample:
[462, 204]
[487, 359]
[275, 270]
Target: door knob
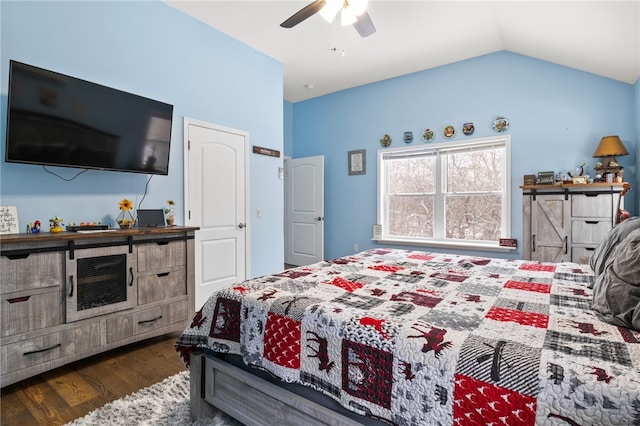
[241, 225]
[319, 218]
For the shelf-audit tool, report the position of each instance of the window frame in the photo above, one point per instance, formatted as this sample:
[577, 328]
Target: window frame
[439, 239]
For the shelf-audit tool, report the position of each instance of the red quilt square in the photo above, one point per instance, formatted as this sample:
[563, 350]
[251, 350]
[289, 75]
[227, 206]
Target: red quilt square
[386, 268]
[542, 267]
[282, 341]
[425, 257]
[347, 285]
[527, 286]
[481, 403]
[521, 317]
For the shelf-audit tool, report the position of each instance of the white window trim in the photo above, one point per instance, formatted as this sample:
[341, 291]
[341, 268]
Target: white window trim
[452, 244]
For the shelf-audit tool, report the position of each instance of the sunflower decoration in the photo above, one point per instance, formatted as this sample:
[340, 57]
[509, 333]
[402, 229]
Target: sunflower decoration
[125, 219]
[126, 205]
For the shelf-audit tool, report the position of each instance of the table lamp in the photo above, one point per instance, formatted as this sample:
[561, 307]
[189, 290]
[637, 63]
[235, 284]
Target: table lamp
[608, 149]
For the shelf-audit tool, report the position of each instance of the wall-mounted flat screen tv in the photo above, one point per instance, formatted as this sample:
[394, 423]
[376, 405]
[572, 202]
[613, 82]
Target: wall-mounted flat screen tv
[58, 120]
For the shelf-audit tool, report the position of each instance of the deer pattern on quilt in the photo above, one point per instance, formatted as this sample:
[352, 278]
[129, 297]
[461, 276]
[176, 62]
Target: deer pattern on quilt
[418, 338]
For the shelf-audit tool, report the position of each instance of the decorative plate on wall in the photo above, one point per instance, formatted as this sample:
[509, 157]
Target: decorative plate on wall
[408, 137]
[427, 135]
[385, 141]
[449, 131]
[468, 128]
[501, 124]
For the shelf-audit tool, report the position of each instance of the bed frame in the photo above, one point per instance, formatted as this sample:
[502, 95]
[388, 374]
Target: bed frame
[251, 399]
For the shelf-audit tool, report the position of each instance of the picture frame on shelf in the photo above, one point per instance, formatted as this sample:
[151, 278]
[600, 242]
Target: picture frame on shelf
[545, 178]
[9, 220]
[357, 162]
[529, 179]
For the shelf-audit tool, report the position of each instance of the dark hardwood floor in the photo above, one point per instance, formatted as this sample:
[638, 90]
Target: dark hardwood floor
[66, 393]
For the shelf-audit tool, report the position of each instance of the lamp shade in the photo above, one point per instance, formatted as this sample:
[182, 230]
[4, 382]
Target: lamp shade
[610, 146]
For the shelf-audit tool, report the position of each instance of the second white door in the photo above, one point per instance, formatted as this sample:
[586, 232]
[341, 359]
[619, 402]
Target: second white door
[304, 210]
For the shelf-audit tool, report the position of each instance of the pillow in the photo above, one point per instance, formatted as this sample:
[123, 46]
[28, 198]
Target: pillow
[605, 247]
[616, 293]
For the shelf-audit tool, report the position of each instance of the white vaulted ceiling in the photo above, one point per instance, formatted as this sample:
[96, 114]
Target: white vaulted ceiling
[600, 37]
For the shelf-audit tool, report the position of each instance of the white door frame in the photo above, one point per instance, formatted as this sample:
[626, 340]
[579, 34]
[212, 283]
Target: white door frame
[187, 203]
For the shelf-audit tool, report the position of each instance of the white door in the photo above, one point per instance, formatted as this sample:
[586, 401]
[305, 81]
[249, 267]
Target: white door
[215, 191]
[304, 210]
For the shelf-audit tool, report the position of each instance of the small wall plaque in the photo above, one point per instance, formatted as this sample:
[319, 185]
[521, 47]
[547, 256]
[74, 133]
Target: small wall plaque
[508, 242]
[266, 151]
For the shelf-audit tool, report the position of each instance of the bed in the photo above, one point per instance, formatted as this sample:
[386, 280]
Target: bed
[414, 338]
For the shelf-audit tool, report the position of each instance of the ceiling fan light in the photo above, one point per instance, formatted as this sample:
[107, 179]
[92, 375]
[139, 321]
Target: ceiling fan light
[330, 10]
[347, 16]
[358, 6]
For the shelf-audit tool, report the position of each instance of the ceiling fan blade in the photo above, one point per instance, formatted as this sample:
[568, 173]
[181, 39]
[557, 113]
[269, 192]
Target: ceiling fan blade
[304, 13]
[364, 25]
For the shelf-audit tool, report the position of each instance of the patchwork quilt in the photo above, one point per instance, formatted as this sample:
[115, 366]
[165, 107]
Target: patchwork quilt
[418, 338]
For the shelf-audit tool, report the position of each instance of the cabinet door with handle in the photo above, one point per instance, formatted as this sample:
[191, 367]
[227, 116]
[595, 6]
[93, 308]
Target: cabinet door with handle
[550, 228]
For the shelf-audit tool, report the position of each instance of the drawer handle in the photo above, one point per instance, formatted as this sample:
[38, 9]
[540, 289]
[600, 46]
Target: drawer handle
[151, 320]
[566, 245]
[162, 243]
[591, 222]
[18, 256]
[164, 274]
[19, 299]
[588, 194]
[589, 248]
[42, 350]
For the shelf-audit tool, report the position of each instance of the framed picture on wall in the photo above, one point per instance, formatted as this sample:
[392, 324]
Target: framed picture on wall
[357, 162]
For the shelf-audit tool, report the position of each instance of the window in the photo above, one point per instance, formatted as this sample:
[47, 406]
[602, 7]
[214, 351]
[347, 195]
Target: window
[449, 194]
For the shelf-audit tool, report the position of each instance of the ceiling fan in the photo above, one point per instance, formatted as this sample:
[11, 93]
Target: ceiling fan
[352, 12]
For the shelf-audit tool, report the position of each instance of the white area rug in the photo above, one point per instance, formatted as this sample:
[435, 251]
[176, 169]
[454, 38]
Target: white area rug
[163, 404]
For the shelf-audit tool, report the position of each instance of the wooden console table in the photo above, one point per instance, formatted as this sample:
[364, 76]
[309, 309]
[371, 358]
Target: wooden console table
[47, 320]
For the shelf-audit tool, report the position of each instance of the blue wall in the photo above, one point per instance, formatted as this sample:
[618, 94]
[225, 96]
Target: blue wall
[158, 52]
[557, 116]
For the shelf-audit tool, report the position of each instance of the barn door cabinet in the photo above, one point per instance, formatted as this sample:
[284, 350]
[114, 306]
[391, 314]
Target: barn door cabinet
[564, 223]
[69, 295]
